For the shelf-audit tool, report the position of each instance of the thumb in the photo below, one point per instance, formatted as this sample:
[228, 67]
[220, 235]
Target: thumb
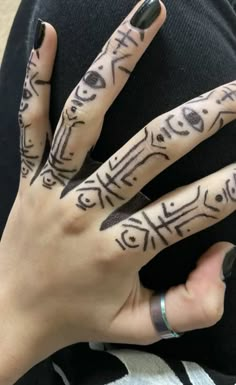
[197, 304]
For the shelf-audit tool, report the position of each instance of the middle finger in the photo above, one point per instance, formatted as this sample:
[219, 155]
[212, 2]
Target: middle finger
[81, 121]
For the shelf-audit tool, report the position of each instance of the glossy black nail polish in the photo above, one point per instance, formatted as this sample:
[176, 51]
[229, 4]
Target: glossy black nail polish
[228, 264]
[146, 14]
[39, 34]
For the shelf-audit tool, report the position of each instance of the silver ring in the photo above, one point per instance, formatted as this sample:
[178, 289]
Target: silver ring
[159, 317]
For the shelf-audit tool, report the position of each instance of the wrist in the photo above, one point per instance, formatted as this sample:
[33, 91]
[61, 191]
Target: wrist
[21, 340]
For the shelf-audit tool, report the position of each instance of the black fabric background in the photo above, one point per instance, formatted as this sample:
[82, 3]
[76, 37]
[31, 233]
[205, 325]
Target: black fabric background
[194, 52]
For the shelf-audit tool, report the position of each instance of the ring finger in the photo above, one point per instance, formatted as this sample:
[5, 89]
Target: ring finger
[175, 216]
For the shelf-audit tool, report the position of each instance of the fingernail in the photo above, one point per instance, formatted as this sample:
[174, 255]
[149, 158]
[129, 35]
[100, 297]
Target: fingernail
[146, 14]
[39, 34]
[228, 263]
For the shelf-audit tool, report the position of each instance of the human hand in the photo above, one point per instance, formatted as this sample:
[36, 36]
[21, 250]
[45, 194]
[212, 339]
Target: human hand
[66, 274]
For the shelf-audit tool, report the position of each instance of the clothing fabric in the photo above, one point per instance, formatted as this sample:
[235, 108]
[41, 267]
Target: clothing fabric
[194, 52]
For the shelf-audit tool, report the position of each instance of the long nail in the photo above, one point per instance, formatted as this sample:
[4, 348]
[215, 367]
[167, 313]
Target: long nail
[39, 34]
[146, 14]
[228, 264]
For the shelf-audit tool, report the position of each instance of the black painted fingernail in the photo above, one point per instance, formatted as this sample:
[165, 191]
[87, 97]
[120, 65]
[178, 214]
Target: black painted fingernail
[146, 14]
[228, 263]
[39, 34]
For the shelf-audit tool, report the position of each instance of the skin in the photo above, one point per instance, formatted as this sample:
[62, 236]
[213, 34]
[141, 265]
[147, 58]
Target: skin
[65, 279]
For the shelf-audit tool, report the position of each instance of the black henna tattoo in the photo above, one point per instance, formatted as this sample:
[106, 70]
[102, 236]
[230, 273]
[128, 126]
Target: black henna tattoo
[227, 93]
[57, 169]
[27, 93]
[141, 32]
[114, 64]
[106, 190]
[29, 158]
[124, 39]
[143, 232]
[94, 78]
[101, 191]
[44, 158]
[30, 64]
[31, 81]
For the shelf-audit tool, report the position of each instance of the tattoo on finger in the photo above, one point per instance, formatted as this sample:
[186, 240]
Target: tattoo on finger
[122, 171]
[31, 90]
[173, 220]
[58, 169]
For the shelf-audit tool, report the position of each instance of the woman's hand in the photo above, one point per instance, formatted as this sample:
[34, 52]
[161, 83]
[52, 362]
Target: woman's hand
[69, 269]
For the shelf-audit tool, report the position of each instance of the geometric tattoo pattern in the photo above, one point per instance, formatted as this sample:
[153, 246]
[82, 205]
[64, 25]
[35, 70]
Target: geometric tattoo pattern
[100, 190]
[58, 169]
[173, 220]
[106, 190]
[30, 90]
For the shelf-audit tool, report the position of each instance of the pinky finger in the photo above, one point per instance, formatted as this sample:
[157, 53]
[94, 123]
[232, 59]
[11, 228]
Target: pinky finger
[35, 130]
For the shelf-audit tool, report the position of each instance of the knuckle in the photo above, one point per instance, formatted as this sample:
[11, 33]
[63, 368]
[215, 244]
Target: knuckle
[107, 259]
[149, 148]
[113, 46]
[79, 117]
[74, 223]
[73, 115]
[33, 115]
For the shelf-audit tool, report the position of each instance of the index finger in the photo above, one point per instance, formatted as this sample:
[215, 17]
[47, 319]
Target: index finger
[81, 121]
[111, 69]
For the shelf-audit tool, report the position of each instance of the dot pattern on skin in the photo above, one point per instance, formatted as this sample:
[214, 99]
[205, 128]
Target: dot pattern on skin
[32, 84]
[121, 171]
[94, 79]
[141, 231]
[229, 93]
[58, 170]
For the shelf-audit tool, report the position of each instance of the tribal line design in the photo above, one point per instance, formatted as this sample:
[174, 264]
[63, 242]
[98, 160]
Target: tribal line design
[123, 39]
[92, 81]
[101, 191]
[30, 86]
[55, 170]
[145, 233]
[30, 90]
[227, 93]
[141, 32]
[94, 78]
[26, 146]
